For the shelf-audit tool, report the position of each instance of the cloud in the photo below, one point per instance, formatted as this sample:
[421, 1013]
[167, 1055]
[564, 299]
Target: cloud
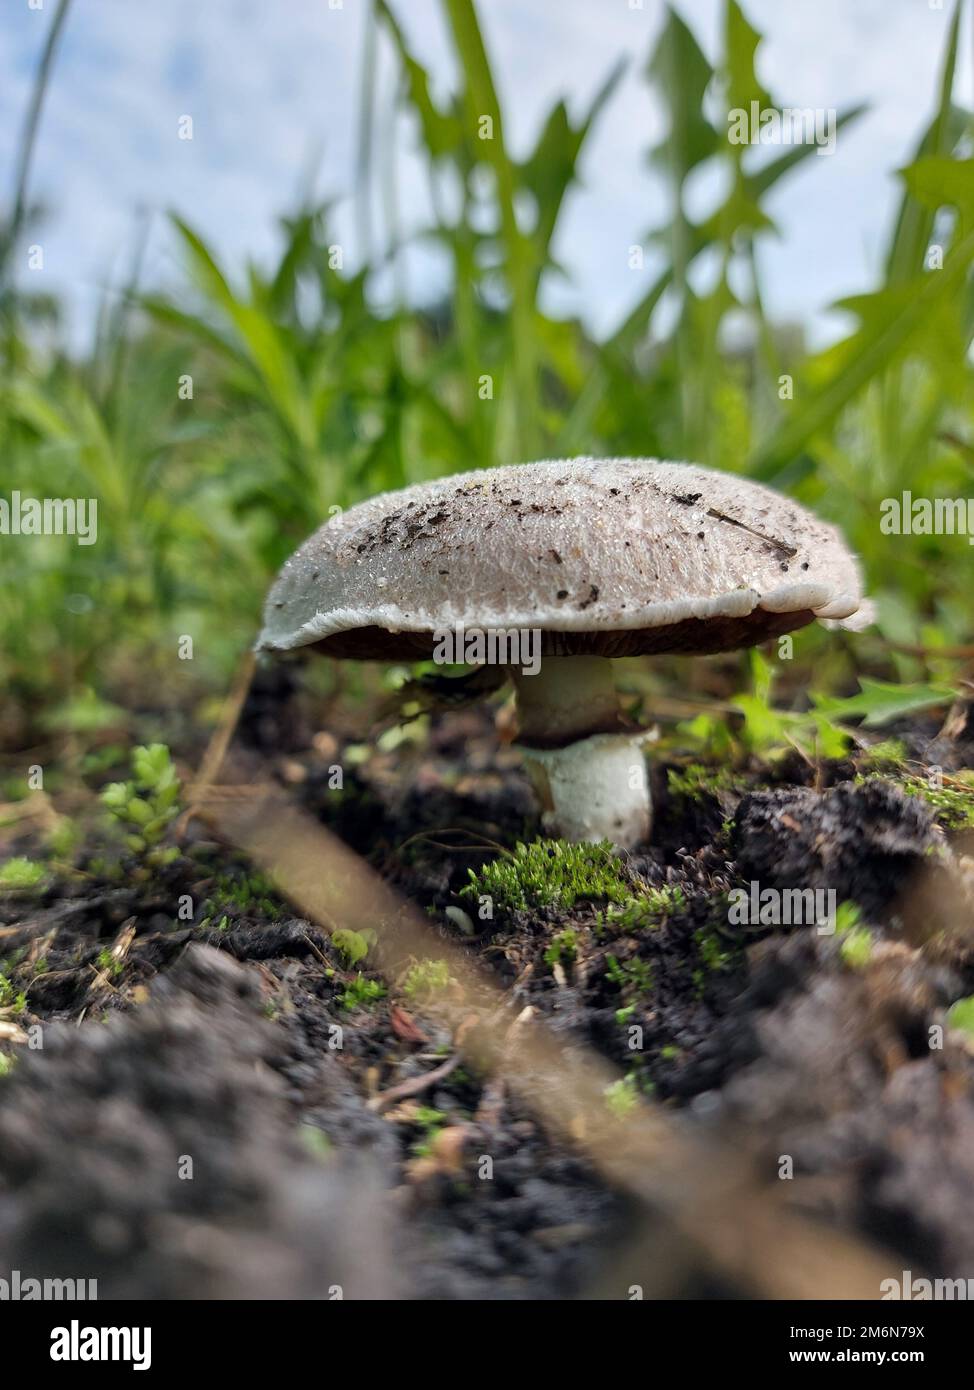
[273, 89]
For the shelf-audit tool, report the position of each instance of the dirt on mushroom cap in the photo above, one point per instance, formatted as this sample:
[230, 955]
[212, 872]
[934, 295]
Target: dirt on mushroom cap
[588, 547]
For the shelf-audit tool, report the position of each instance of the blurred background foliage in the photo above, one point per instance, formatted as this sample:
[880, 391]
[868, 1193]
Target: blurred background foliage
[306, 394]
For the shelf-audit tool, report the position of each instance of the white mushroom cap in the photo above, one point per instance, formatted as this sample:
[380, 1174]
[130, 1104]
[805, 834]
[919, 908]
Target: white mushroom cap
[613, 557]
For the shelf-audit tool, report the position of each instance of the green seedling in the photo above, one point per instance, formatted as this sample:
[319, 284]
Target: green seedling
[145, 807]
[564, 947]
[431, 1122]
[109, 964]
[361, 992]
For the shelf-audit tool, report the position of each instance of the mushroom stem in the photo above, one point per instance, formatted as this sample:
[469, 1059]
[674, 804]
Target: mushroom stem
[593, 782]
[569, 697]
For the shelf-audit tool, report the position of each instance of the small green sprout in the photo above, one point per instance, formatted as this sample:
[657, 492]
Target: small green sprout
[108, 963]
[360, 992]
[146, 806]
[7, 1064]
[564, 946]
[431, 1122]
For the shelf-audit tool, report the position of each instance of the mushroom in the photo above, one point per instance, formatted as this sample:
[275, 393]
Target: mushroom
[576, 562]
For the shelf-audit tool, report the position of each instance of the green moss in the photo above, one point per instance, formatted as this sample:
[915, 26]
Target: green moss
[20, 875]
[961, 1015]
[551, 873]
[634, 974]
[711, 950]
[10, 997]
[64, 838]
[696, 781]
[622, 1097]
[953, 806]
[425, 977]
[646, 911]
[353, 945]
[847, 917]
[252, 893]
[888, 756]
[856, 947]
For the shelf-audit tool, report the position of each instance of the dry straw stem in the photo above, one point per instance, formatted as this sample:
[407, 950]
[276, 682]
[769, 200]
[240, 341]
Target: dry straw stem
[703, 1190]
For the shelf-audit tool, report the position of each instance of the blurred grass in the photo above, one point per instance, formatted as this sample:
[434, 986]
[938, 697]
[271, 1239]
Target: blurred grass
[306, 396]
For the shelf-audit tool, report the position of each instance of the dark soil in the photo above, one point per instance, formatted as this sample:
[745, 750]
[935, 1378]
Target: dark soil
[201, 1135]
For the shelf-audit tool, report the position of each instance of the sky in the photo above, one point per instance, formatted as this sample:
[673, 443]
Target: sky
[271, 86]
